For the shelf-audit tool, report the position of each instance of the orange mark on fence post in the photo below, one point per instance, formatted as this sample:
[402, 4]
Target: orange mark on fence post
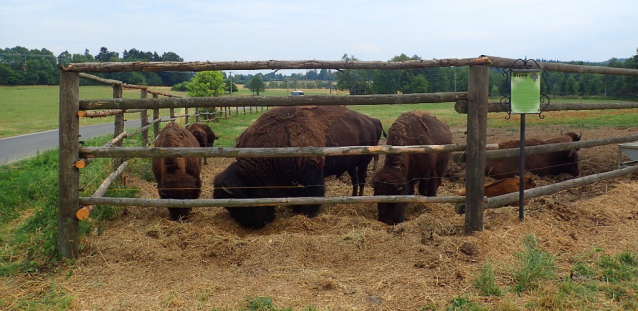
[84, 212]
[80, 164]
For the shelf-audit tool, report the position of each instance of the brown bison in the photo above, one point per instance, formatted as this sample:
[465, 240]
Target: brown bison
[501, 187]
[280, 176]
[350, 128]
[401, 172]
[177, 178]
[204, 135]
[553, 163]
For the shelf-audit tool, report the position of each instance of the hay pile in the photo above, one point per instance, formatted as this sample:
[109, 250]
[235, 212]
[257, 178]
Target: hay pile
[342, 259]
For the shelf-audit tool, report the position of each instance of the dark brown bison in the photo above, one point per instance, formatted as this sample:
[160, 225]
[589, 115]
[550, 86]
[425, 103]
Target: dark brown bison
[401, 172]
[204, 135]
[281, 176]
[177, 178]
[553, 163]
[350, 128]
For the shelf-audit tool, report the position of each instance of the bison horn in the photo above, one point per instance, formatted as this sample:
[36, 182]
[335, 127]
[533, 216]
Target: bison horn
[400, 189]
[227, 190]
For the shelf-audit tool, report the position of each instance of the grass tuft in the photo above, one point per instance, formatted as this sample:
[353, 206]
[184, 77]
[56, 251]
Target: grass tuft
[533, 266]
[485, 281]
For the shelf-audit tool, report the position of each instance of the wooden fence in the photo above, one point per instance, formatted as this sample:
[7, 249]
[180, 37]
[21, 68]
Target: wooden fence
[474, 102]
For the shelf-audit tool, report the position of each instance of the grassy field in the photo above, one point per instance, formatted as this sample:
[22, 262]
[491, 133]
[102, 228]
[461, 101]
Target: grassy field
[29, 109]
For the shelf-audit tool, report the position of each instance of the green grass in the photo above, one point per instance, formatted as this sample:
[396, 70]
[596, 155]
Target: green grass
[485, 281]
[29, 207]
[28, 109]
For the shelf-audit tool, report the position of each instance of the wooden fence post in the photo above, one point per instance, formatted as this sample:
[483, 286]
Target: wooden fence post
[186, 115]
[69, 175]
[144, 120]
[156, 115]
[478, 90]
[119, 125]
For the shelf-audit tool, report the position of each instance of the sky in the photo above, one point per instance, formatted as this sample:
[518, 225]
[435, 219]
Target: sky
[249, 30]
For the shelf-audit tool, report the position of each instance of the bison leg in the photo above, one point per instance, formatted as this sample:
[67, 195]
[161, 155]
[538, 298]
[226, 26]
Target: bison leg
[429, 186]
[354, 179]
[362, 176]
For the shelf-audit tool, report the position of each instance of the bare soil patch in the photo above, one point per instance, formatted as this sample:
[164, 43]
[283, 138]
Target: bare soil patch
[344, 259]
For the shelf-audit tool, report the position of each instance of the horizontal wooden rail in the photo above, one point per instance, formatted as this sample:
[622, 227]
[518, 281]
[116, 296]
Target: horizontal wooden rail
[124, 85]
[227, 101]
[100, 79]
[85, 211]
[530, 150]
[461, 106]
[553, 188]
[232, 152]
[501, 62]
[98, 114]
[266, 201]
[270, 64]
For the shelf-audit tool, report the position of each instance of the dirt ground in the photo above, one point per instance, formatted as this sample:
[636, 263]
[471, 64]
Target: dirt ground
[344, 259]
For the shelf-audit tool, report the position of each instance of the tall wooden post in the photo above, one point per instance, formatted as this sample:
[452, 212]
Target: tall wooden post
[69, 175]
[156, 115]
[144, 121]
[478, 90]
[186, 115]
[119, 125]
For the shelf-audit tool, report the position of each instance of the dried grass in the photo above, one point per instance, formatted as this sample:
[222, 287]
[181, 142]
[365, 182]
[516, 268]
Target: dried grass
[342, 259]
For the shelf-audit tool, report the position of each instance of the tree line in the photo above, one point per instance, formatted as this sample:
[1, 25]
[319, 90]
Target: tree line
[21, 66]
[451, 79]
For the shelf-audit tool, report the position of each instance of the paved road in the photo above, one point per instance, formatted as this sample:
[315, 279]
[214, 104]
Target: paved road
[24, 146]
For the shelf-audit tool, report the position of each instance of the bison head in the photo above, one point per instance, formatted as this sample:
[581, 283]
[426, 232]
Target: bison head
[229, 185]
[385, 182]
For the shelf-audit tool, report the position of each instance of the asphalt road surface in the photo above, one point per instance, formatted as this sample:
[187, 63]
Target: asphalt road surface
[24, 146]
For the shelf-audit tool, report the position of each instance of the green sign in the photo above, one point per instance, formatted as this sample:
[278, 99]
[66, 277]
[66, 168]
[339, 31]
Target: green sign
[526, 91]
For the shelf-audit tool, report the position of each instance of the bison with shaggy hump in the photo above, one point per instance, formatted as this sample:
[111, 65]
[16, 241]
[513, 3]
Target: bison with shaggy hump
[350, 128]
[401, 172]
[280, 176]
[552, 163]
[177, 178]
[204, 135]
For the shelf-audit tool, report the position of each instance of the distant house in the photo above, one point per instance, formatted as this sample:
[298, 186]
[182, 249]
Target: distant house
[296, 93]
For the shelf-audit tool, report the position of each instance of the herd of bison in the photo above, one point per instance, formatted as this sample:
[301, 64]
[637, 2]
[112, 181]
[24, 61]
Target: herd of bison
[334, 126]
